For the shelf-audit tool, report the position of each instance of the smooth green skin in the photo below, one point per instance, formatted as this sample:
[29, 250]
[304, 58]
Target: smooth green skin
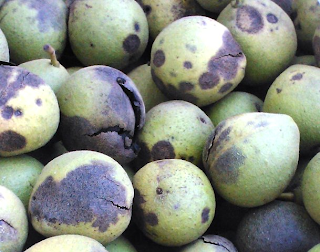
[310, 188]
[19, 174]
[232, 104]
[58, 168]
[69, 243]
[121, 244]
[215, 6]
[298, 99]
[178, 122]
[20, 25]
[4, 47]
[52, 75]
[308, 16]
[151, 95]
[13, 212]
[265, 63]
[37, 124]
[186, 192]
[162, 13]
[105, 26]
[210, 243]
[186, 39]
[252, 157]
[315, 248]
[304, 60]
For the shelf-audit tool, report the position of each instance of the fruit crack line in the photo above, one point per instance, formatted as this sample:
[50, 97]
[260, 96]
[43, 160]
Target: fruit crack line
[214, 243]
[116, 205]
[125, 134]
[239, 54]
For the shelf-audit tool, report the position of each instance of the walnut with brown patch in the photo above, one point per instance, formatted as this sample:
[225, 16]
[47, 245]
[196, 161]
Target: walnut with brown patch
[174, 201]
[82, 192]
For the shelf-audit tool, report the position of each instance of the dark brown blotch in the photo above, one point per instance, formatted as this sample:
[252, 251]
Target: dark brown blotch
[7, 112]
[151, 219]
[227, 165]
[11, 141]
[205, 215]
[162, 150]
[50, 14]
[187, 64]
[159, 191]
[249, 19]
[39, 102]
[278, 90]
[7, 232]
[225, 87]
[136, 27]
[209, 80]
[159, 58]
[258, 106]
[131, 44]
[297, 76]
[185, 86]
[147, 9]
[223, 135]
[262, 124]
[272, 18]
[191, 48]
[99, 198]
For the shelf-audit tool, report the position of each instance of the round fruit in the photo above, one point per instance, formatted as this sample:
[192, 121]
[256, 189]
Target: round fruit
[316, 248]
[29, 25]
[252, 157]
[19, 174]
[278, 226]
[101, 110]
[196, 59]
[310, 187]
[82, 192]
[174, 129]
[13, 222]
[261, 22]
[121, 244]
[67, 243]
[107, 32]
[215, 6]
[234, 103]
[29, 111]
[296, 93]
[174, 201]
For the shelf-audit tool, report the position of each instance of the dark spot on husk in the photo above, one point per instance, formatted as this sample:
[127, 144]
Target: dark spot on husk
[88, 6]
[249, 19]
[185, 86]
[162, 150]
[11, 141]
[9, 88]
[262, 124]
[205, 215]
[88, 193]
[227, 165]
[203, 120]
[159, 190]
[39, 102]
[92, 45]
[147, 9]
[18, 112]
[7, 232]
[209, 80]
[131, 44]
[151, 219]
[297, 76]
[225, 87]
[223, 135]
[7, 112]
[49, 15]
[187, 64]
[159, 58]
[136, 27]
[272, 18]
[278, 90]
